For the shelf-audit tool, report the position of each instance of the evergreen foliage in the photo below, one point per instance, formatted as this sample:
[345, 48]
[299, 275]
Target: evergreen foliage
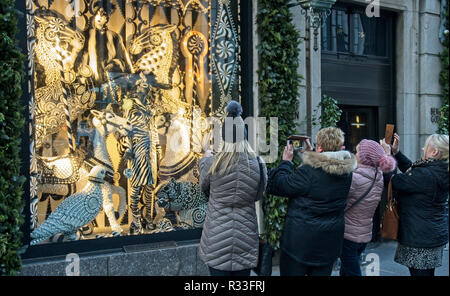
[330, 112]
[11, 126]
[279, 84]
[443, 79]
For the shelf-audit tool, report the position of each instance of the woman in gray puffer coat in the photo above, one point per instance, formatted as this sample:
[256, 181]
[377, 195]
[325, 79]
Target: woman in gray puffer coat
[231, 178]
[372, 163]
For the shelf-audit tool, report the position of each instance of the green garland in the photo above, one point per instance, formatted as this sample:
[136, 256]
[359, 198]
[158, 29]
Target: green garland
[11, 126]
[279, 84]
[443, 79]
[330, 113]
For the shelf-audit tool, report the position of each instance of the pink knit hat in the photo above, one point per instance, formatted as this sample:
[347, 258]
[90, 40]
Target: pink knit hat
[371, 153]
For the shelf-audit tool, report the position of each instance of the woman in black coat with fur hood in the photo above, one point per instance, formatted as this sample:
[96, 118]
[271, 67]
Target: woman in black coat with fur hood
[317, 190]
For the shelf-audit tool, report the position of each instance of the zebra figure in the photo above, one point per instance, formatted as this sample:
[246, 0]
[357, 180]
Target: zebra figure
[139, 147]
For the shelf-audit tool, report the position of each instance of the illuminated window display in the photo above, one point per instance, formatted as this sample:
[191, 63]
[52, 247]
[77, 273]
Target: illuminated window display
[119, 95]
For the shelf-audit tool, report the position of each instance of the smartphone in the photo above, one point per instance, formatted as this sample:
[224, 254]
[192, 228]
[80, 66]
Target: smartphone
[389, 133]
[297, 141]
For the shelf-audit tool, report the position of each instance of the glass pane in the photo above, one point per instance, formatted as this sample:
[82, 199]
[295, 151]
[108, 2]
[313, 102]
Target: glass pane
[327, 35]
[335, 32]
[342, 31]
[120, 95]
[369, 35]
[359, 36]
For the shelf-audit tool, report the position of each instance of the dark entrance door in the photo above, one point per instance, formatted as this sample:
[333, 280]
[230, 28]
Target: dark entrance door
[358, 123]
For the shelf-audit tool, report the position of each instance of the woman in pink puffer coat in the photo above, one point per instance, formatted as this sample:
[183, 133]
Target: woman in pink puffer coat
[358, 218]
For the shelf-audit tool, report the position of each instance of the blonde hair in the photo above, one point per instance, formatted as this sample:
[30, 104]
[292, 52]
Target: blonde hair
[330, 139]
[229, 155]
[439, 142]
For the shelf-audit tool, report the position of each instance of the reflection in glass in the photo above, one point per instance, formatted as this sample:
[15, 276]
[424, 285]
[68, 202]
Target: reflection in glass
[359, 35]
[354, 32]
[373, 32]
[335, 32]
[357, 122]
[358, 129]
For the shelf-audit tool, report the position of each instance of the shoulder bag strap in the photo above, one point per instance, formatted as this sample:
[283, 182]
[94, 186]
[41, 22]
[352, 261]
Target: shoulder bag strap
[261, 177]
[365, 193]
[390, 199]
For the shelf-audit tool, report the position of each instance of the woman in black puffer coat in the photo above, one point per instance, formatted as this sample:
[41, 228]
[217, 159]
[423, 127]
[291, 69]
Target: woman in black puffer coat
[422, 195]
[313, 231]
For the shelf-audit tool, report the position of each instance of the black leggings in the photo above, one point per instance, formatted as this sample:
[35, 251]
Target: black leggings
[421, 272]
[290, 267]
[216, 272]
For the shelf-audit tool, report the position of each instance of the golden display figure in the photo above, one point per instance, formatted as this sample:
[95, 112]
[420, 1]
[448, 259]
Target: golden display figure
[104, 50]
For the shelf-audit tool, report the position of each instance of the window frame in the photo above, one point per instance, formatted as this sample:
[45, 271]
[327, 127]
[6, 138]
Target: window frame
[351, 10]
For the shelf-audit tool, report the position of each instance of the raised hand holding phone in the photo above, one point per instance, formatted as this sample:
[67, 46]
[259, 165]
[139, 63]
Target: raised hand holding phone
[308, 146]
[288, 153]
[395, 144]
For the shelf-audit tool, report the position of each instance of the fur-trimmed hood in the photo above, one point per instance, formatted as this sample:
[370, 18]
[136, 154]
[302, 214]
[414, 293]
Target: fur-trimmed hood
[335, 163]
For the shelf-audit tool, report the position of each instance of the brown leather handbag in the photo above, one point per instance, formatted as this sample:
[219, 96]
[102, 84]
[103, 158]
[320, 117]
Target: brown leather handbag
[389, 226]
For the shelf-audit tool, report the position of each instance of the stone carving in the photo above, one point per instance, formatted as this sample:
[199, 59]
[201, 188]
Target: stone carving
[435, 113]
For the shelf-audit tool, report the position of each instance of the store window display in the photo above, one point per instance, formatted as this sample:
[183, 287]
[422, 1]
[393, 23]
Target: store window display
[120, 91]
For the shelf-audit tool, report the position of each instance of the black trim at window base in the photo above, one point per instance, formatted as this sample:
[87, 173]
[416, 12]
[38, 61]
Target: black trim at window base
[104, 244]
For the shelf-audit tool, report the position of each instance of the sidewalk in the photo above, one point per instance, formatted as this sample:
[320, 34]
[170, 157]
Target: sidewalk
[386, 253]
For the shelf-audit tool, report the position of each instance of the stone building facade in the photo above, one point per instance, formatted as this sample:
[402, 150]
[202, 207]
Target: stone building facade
[416, 91]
